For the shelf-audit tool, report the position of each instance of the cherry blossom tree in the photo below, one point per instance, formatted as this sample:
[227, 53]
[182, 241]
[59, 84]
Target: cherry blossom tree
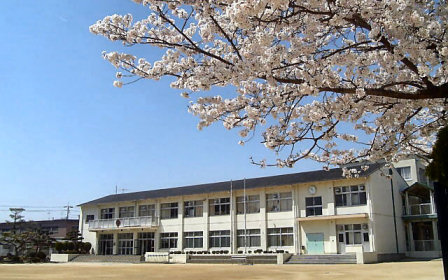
[335, 81]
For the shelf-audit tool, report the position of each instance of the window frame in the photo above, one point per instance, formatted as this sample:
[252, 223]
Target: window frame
[196, 238]
[222, 236]
[89, 217]
[170, 239]
[107, 215]
[277, 201]
[350, 231]
[172, 207]
[126, 212]
[347, 195]
[282, 235]
[400, 171]
[252, 236]
[252, 204]
[310, 210]
[150, 209]
[196, 205]
[219, 206]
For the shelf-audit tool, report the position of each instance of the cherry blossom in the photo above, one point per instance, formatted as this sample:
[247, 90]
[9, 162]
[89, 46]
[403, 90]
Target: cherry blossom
[335, 81]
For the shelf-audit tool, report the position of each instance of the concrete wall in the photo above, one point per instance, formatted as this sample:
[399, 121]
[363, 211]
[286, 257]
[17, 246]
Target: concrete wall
[415, 164]
[382, 220]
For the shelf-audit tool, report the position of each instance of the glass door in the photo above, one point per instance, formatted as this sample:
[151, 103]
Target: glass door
[145, 242]
[106, 244]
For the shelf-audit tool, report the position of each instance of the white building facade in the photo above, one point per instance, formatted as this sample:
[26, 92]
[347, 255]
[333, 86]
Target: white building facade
[318, 212]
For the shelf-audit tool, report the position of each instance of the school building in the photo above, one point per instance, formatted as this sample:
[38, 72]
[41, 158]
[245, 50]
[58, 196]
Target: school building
[382, 213]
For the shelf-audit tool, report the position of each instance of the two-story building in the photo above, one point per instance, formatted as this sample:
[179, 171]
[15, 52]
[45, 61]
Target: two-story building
[419, 211]
[56, 229]
[317, 212]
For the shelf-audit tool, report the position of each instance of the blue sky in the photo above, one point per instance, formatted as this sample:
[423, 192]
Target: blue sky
[68, 136]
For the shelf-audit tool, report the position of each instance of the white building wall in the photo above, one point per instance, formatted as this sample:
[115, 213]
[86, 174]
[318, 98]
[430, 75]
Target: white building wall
[378, 207]
[382, 220]
[84, 227]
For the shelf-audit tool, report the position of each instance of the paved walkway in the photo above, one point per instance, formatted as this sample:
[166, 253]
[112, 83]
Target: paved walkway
[396, 271]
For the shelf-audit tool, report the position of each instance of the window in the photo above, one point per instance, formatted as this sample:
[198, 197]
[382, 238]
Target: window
[251, 238]
[193, 239]
[90, 218]
[353, 233]
[168, 240]
[422, 177]
[125, 243]
[219, 206]
[278, 237]
[405, 172]
[350, 196]
[107, 213]
[313, 206]
[252, 204]
[169, 210]
[277, 202]
[126, 212]
[220, 238]
[193, 208]
[50, 229]
[147, 210]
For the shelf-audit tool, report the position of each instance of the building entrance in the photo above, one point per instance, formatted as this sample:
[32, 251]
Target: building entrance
[315, 243]
[125, 243]
[106, 244]
[145, 242]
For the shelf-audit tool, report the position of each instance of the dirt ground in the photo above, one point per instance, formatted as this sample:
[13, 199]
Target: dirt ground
[395, 271]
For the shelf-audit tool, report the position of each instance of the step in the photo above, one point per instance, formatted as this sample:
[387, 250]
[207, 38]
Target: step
[322, 259]
[108, 258]
[253, 259]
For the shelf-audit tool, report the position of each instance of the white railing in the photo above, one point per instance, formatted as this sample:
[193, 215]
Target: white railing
[424, 245]
[118, 223]
[419, 209]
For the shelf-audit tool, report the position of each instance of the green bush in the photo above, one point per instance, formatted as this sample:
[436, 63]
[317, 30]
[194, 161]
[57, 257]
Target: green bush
[86, 246]
[60, 247]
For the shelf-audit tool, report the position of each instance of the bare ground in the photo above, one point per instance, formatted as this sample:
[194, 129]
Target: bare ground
[69, 271]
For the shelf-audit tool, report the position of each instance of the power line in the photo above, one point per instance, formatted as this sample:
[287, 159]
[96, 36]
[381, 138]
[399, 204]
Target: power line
[29, 206]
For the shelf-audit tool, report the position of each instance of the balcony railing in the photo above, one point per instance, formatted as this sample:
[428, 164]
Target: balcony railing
[425, 245]
[418, 209]
[118, 223]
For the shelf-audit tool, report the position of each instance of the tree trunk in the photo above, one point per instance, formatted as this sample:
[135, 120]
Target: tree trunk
[441, 199]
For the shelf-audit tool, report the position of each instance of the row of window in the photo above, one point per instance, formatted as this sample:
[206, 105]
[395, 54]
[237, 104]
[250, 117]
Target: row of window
[220, 206]
[276, 202]
[277, 237]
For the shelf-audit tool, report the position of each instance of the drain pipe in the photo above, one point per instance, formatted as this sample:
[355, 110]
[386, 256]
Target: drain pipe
[393, 208]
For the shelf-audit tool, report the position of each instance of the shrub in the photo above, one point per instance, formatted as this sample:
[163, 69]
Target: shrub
[86, 246]
[41, 255]
[60, 247]
[69, 246]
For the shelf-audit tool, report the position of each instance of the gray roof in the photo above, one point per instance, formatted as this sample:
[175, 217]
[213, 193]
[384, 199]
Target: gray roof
[271, 181]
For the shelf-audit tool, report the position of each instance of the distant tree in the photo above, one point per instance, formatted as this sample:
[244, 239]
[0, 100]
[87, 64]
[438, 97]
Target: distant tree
[40, 240]
[75, 237]
[18, 241]
[17, 217]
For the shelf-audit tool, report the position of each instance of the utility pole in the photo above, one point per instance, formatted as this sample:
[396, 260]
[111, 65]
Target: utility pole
[245, 222]
[68, 210]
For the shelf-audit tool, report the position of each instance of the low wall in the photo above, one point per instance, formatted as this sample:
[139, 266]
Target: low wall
[157, 257]
[282, 258]
[178, 258]
[62, 258]
[424, 254]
